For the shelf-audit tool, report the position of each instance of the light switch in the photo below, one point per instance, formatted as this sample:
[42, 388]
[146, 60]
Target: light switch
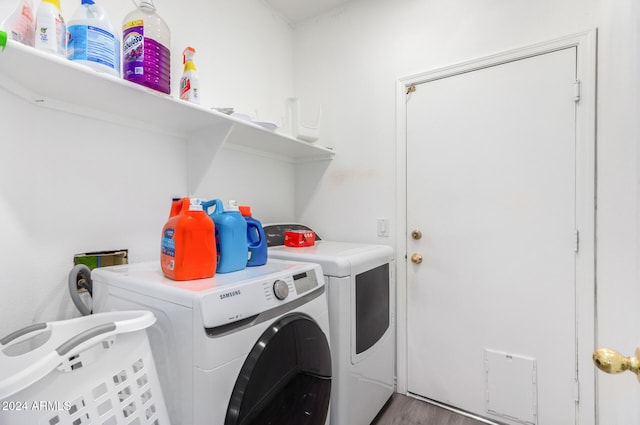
[383, 227]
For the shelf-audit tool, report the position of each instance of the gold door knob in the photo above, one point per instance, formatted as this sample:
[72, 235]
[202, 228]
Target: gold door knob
[611, 361]
[416, 258]
[416, 234]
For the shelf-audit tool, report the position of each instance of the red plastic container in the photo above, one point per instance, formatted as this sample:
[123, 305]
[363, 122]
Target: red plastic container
[188, 249]
[299, 238]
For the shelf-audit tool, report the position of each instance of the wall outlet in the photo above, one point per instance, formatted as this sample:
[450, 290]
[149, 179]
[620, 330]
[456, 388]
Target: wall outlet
[383, 227]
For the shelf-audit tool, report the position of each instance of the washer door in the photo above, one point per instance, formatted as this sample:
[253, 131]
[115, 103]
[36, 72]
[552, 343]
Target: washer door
[286, 378]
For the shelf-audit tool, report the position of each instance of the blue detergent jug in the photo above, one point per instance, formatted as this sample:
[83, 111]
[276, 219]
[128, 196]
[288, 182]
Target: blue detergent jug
[257, 255]
[231, 237]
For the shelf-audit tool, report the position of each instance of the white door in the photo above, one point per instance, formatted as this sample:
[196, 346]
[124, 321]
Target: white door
[491, 186]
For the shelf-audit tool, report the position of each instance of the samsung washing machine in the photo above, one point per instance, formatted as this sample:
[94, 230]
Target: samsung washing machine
[250, 347]
[361, 292]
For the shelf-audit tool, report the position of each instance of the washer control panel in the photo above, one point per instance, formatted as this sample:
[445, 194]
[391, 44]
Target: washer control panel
[280, 289]
[304, 282]
[261, 292]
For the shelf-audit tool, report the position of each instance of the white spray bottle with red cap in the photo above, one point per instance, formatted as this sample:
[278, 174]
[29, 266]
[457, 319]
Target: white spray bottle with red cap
[189, 83]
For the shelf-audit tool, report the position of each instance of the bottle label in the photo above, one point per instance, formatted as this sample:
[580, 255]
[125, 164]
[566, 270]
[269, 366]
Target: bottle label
[189, 89]
[92, 44]
[22, 28]
[185, 88]
[61, 34]
[168, 246]
[133, 48]
[51, 34]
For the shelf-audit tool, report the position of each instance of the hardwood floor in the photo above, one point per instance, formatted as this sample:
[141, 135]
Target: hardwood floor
[403, 410]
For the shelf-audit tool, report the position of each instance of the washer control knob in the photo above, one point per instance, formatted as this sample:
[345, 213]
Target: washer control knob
[280, 289]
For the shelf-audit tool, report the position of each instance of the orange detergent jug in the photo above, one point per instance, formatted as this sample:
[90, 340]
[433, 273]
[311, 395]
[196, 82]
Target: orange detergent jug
[188, 249]
[176, 205]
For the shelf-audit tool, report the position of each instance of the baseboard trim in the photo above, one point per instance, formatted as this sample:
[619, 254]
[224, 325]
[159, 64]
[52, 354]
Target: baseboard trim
[455, 410]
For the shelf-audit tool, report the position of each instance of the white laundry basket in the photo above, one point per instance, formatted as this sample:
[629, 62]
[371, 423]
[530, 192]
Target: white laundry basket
[95, 369]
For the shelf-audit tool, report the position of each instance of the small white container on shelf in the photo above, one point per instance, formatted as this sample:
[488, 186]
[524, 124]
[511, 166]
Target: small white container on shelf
[308, 133]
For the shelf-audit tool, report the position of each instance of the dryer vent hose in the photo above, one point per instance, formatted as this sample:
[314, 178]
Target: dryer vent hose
[80, 276]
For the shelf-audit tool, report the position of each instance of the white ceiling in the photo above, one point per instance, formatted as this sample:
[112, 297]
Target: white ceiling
[298, 10]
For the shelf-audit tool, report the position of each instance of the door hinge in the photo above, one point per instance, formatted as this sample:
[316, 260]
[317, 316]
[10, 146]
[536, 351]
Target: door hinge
[411, 89]
[576, 235]
[576, 91]
[576, 391]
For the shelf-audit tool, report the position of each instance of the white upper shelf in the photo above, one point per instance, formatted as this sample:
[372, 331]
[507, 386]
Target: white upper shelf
[51, 81]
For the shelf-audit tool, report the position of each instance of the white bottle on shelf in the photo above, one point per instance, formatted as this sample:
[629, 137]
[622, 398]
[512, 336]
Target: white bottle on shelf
[298, 130]
[51, 31]
[190, 82]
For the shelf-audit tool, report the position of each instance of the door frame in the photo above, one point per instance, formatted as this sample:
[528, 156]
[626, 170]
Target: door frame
[585, 44]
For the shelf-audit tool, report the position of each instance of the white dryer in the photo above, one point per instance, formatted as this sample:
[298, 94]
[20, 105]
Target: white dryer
[239, 348]
[361, 292]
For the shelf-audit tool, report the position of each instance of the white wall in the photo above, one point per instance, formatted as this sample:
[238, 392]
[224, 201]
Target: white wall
[349, 60]
[265, 184]
[70, 184]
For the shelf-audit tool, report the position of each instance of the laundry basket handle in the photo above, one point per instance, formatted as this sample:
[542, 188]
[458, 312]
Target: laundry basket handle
[84, 336]
[20, 332]
[24, 361]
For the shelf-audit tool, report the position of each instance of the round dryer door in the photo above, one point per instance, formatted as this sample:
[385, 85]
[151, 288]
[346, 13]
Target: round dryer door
[286, 378]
